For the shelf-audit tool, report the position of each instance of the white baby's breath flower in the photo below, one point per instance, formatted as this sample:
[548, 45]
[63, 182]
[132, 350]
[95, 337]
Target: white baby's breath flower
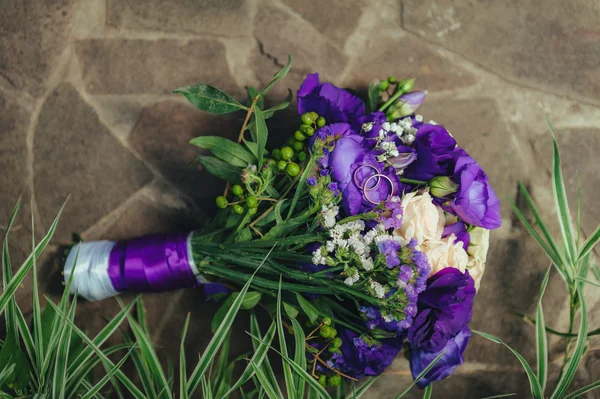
[419, 118]
[329, 212]
[367, 126]
[478, 249]
[422, 219]
[386, 126]
[318, 258]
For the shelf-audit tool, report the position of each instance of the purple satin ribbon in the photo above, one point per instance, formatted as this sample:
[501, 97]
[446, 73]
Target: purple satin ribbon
[153, 263]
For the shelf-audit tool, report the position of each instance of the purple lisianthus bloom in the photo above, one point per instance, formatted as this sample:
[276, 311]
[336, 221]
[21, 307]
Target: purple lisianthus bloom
[406, 105]
[459, 229]
[435, 153]
[445, 308]
[352, 167]
[475, 202]
[326, 138]
[452, 358]
[329, 101]
[363, 356]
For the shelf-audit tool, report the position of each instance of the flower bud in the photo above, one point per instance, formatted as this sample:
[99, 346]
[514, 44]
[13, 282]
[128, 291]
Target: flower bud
[442, 186]
[406, 85]
[406, 105]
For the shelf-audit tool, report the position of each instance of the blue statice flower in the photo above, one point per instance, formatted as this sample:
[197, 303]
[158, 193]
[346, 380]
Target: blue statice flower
[311, 181]
[333, 187]
[390, 215]
[390, 249]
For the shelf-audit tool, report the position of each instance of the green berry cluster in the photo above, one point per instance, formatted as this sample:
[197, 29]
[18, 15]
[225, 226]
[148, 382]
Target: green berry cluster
[250, 201]
[329, 333]
[404, 85]
[294, 149]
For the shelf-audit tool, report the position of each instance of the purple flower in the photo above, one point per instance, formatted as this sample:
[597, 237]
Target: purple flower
[375, 120]
[329, 101]
[390, 249]
[435, 153]
[333, 187]
[391, 214]
[445, 308]
[452, 358]
[363, 356]
[311, 181]
[459, 229]
[475, 202]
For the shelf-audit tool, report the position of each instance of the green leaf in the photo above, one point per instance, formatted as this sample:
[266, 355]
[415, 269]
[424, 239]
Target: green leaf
[541, 339]
[580, 344]
[279, 75]
[308, 308]
[11, 355]
[264, 382]
[536, 389]
[590, 243]
[219, 335]
[10, 313]
[59, 380]
[278, 107]
[220, 169]
[209, 99]
[287, 371]
[251, 299]
[252, 147]
[256, 344]
[560, 196]
[361, 391]
[421, 375]
[504, 395]
[262, 134]
[374, 95]
[290, 310]
[252, 94]
[227, 150]
[301, 184]
[277, 211]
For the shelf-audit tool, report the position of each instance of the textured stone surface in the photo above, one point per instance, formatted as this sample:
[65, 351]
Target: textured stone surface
[310, 51]
[548, 44]
[336, 19]
[214, 17]
[162, 137]
[122, 66]
[71, 157]
[31, 40]
[403, 57]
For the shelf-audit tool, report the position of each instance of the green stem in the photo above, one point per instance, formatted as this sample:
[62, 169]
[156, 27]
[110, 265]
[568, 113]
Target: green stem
[391, 100]
[364, 216]
[412, 181]
[328, 270]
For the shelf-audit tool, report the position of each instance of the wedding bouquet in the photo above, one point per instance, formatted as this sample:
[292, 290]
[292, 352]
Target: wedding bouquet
[373, 223]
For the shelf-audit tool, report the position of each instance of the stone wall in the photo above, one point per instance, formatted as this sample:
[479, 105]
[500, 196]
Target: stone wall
[86, 111]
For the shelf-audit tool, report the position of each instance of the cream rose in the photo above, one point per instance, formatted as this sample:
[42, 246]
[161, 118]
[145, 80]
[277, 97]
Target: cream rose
[445, 252]
[421, 220]
[478, 249]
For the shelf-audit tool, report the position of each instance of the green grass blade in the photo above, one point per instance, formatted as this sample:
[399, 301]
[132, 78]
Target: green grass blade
[361, 391]
[27, 340]
[541, 338]
[287, 370]
[264, 382]
[299, 356]
[260, 353]
[580, 345]
[59, 380]
[595, 284]
[503, 395]
[536, 389]
[149, 355]
[6, 372]
[143, 371]
[37, 321]
[421, 375]
[428, 391]
[303, 373]
[256, 344]
[182, 363]
[301, 184]
[15, 282]
[85, 356]
[206, 388]
[10, 315]
[590, 243]
[219, 335]
[581, 391]
[109, 374]
[562, 204]
[135, 392]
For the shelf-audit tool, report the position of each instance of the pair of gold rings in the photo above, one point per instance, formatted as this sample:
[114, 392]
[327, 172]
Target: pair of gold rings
[365, 186]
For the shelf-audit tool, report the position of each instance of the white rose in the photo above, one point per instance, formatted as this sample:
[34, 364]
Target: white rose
[422, 220]
[445, 252]
[478, 249]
